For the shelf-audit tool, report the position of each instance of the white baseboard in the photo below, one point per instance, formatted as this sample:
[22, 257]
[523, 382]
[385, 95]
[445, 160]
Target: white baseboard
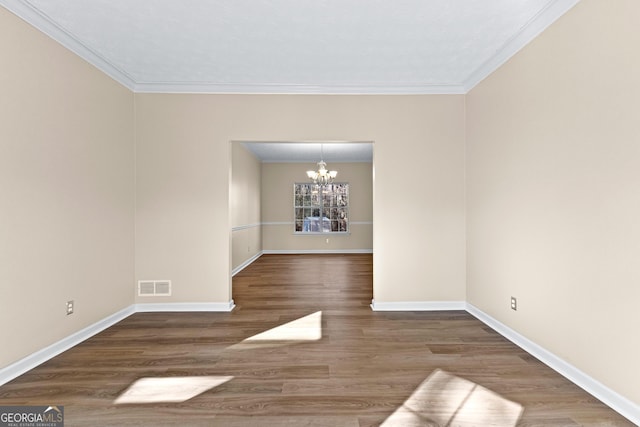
[246, 264]
[185, 306]
[25, 364]
[615, 401]
[251, 260]
[418, 305]
[316, 251]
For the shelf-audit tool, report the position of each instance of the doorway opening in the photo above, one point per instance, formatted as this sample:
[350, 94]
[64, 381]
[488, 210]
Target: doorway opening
[262, 201]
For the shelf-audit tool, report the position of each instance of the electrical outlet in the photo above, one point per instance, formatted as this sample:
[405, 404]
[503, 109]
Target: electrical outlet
[514, 303]
[327, 240]
[69, 307]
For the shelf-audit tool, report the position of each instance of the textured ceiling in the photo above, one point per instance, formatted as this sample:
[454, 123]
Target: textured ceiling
[305, 152]
[294, 46]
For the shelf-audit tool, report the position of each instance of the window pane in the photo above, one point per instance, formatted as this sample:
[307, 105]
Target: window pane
[321, 209]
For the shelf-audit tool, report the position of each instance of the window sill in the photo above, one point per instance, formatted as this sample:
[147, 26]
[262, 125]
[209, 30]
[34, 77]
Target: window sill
[321, 233]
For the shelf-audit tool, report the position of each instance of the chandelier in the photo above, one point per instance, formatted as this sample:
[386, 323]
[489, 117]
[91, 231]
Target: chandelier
[322, 176]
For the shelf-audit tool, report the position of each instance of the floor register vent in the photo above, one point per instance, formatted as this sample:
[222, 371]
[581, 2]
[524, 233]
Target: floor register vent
[149, 288]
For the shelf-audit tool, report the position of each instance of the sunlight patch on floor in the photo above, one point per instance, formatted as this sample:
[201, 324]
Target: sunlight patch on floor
[169, 389]
[445, 399]
[304, 329]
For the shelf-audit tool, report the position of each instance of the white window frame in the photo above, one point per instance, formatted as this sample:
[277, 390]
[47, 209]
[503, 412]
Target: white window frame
[337, 210]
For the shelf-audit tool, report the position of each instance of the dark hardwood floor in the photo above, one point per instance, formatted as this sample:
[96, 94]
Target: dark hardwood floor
[303, 348]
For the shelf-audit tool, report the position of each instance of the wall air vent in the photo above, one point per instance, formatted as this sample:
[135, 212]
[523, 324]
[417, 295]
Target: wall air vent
[150, 288]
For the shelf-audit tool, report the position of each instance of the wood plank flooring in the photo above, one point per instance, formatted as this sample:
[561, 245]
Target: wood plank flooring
[303, 348]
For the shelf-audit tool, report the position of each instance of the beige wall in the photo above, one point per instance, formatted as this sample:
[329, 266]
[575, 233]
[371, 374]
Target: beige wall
[245, 195]
[66, 180]
[277, 201]
[553, 154]
[182, 185]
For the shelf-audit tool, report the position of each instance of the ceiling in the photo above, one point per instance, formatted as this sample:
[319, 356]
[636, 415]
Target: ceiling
[311, 152]
[294, 46]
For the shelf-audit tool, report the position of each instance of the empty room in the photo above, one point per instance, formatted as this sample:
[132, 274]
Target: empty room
[336, 213]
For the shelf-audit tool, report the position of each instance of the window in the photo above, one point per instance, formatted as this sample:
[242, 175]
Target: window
[321, 208]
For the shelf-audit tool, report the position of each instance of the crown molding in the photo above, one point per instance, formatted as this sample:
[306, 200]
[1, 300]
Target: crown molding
[547, 16]
[43, 23]
[293, 89]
